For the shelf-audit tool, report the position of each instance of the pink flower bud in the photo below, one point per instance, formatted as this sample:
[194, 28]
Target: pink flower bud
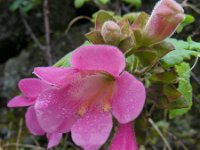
[111, 32]
[124, 138]
[164, 20]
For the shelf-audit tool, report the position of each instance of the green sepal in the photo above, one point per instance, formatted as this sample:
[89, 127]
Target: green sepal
[137, 36]
[140, 21]
[102, 16]
[95, 37]
[126, 44]
[147, 56]
[131, 63]
[125, 29]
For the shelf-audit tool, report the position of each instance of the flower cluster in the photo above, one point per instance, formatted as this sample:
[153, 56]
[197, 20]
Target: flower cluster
[84, 98]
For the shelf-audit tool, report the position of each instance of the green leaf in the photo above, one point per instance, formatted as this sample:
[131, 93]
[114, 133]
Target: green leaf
[67, 59]
[79, 3]
[15, 5]
[136, 3]
[171, 92]
[193, 45]
[87, 43]
[178, 44]
[186, 45]
[104, 2]
[36, 2]
[183, 71]
[164, 77]
[176, 57]
[188, 20]
[26, 6]
[163, 48]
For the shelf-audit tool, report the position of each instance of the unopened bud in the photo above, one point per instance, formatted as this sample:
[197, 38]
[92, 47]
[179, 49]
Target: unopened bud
[164, 20]
[111, 32]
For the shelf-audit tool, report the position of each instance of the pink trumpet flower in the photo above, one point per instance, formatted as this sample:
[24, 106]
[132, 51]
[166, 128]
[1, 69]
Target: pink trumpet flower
[83, 98]
[164, 20]
[124, 138]
[31, 88]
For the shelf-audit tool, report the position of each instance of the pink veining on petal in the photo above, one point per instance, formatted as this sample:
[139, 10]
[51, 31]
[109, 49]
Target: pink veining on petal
[32, 87]
[32, 122]
[91, 89]
[21, 101]
[53, 139]
[129, 98]
[92, 130]
[99, 57]
[124, 138]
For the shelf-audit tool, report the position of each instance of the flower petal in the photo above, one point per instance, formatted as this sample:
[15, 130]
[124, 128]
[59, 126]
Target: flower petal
[32, 87]
[92, 130]
[55, 113]
[20, 101]
[99, 57]
[57, 76]
[32, 122]
[124, 138]
[54, 139]
[129, 98]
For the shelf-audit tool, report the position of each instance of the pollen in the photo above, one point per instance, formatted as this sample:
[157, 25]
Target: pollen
[101, 98]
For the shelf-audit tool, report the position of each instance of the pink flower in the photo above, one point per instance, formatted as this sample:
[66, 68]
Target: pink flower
[83, 98]
[164, 20]
[31, 88]
[124, 138]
